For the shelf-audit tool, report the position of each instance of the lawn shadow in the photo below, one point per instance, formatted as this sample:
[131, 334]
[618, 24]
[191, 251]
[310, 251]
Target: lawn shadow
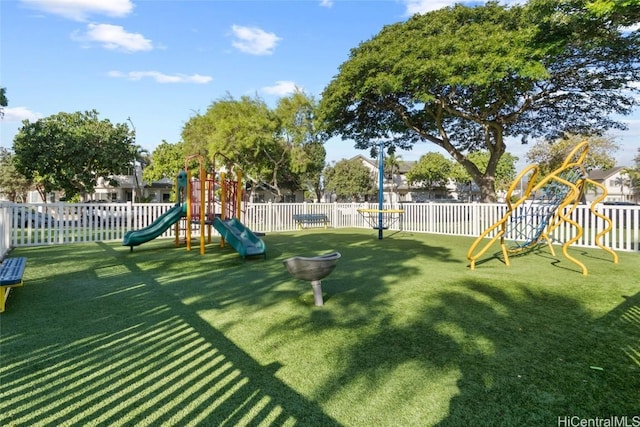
[263, 283]
[150, 338]
[140, 357]
[117, 339]
[508, 372]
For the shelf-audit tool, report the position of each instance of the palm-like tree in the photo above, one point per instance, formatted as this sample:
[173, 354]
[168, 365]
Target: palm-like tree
[634, 174]
[622, 181]
[141, 157]
[392, 168]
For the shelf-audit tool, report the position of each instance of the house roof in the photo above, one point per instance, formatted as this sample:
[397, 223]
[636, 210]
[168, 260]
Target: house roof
[602, 174]
[404, 166]
[362, 158]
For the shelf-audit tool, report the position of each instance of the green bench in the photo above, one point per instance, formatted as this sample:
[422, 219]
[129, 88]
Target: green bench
[311, 219]
[11, 271]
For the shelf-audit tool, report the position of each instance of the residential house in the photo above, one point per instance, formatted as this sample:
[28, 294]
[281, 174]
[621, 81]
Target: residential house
[618, 185]
[132, 187]
[128, 185]
[261, 193]
[398, 190]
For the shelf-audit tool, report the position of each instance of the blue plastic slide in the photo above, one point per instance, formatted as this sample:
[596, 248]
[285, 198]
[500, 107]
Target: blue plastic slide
[156, 228]
[243, 240]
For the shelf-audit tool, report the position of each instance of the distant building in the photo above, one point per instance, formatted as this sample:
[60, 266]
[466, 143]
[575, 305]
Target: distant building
[154, 192]
[398, 190]
[617, 183]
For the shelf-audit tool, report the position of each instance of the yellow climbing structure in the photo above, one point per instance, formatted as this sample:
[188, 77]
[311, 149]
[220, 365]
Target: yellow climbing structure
[543, 206]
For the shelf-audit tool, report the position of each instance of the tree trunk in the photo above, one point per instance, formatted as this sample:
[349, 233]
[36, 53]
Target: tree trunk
[487, 189]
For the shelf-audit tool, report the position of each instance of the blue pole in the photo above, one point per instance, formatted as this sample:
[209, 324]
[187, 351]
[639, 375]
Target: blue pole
[380, 187]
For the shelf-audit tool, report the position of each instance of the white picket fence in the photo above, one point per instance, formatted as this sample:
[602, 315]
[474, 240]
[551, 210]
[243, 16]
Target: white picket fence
[65, 223]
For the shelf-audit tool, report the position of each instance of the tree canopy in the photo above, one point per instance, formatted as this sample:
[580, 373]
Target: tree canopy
[433, 170]
[468, 78]
[166, 161]
[505, 170]
[70, 151]
[274, 146]
[550, 155]
[624, 12]
[349, 180]
[299, 132]
[13, 185]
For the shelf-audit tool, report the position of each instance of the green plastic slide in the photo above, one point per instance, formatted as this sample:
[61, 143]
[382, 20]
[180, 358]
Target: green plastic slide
[243, 240]
[156, 228]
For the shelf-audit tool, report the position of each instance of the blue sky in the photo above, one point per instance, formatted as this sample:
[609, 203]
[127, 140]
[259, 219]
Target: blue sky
[158, 63]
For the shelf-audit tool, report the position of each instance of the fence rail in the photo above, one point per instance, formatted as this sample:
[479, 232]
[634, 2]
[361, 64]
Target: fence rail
[65, 223]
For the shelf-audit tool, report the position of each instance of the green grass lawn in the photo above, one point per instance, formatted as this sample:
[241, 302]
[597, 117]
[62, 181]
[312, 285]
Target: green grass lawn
[408, 336]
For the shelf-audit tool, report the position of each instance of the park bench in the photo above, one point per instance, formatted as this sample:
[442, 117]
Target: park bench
[11, 271]
[311, 219]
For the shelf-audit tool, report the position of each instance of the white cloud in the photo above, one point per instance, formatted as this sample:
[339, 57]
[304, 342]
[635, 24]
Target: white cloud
[281, 88]
[18, 114]
[253, 40]
[114, 37]
[80, 10]
[161, 77]
[326, 3]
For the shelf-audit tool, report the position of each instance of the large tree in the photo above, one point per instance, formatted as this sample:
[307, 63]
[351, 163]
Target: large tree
[625, 12]
[277, 147]
[70, 151]
[505, 171]
[469, 78]
[349, 180]
[549, 155]
[312, 177]
[166, 161]
[299, 135]
[13, 185]
[432, 171]
[243, 130]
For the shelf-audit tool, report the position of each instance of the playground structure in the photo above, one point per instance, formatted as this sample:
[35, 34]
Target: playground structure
[542, 208]
[163, 222]
[380, 219]
[201, 207]
[196, 204]
[228, 222]
[199, 203]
